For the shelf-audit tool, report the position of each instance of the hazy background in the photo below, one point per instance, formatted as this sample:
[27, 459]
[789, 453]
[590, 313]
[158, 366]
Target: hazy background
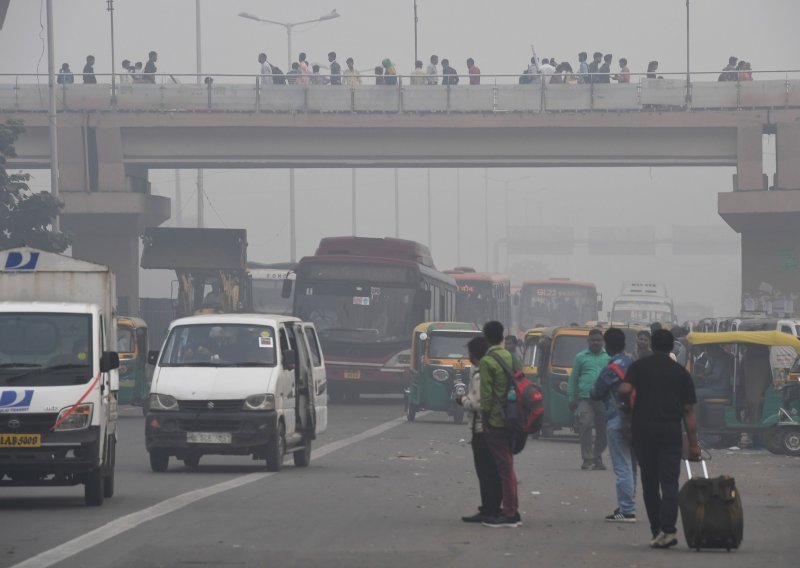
[498, 35]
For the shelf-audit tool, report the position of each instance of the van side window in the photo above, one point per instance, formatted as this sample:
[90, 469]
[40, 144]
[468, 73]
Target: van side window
[316, 355]
[787, 329]
[284, 341]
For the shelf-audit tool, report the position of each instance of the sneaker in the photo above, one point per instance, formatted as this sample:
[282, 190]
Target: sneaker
[587, 464]
[664, 540]
[619, 517]
[503, 522]
[477, 518]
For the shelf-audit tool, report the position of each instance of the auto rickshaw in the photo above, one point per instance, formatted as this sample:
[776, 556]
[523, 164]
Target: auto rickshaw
[440, 368]
[755, 395]
[554, 354]
[134, 372]
[530, 353]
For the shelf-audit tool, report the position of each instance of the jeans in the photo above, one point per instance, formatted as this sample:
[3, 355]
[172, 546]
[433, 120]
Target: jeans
[659, 456]
[592, 417]
[499, 442]
[624, 464]
[488, 479]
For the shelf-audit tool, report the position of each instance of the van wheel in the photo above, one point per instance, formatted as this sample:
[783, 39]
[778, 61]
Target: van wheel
[276, 448]
[302, 457]
[192, 460]
[159, 460]
[791, 442]
[93, 488]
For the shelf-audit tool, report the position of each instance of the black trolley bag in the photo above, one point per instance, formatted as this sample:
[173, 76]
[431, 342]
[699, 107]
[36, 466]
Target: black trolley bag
[711, 511]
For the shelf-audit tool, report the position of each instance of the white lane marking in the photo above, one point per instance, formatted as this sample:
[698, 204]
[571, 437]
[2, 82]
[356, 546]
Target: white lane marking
[131, 521]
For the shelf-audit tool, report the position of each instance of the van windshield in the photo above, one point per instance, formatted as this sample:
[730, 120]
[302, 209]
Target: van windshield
[44, 349]
[220, 345]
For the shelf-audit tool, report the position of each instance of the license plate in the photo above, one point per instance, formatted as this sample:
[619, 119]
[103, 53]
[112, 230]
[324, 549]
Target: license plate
[20, 440]
[208, 437]
[352, 374]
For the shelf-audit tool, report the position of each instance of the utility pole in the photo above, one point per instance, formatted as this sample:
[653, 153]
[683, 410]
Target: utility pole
[416, 20]
[200, 189]
[353, 201]
[430, 213]
[486, 215]
[396, 205]
[51, 112]
[178, 200]
[113, 57]
[458, 217]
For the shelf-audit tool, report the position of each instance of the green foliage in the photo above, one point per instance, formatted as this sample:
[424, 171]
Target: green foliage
[25, 217]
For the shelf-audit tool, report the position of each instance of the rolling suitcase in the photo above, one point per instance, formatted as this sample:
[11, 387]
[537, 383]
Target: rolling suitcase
[711, 511]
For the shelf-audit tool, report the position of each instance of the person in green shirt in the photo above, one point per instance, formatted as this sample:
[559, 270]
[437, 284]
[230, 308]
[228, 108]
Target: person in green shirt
[590, 413]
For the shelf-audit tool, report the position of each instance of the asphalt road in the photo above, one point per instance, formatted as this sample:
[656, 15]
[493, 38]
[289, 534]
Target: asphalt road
[380, 492]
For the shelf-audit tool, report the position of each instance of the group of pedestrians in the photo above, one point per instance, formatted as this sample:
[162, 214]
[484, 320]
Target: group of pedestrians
[134, 73]
[736, 70]
[635, 404]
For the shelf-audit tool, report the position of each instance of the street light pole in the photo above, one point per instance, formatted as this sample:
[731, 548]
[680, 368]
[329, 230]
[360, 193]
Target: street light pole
[458, 217]
[292, 228]
[353, 201]
[51, 111]
[430, 213]
[416, 20]
[113, 57]
[396, 205]
[486, 215]
[200, 186]
[688, 80]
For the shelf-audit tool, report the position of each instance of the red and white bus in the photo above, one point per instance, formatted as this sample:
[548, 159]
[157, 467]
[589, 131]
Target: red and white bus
[482, 297]
[557, 301]
[365, 296]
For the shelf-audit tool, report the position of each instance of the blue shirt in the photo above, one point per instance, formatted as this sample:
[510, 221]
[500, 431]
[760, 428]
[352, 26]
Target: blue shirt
[607, 384]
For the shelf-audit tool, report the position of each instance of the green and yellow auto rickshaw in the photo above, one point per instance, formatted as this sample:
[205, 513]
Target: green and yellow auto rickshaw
[440, 368]
[134, 373]
[743, 384]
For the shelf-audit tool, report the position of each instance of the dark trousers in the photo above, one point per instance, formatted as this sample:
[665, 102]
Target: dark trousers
[488, 478]
[499, 441]
[659, 456]
[592, 429]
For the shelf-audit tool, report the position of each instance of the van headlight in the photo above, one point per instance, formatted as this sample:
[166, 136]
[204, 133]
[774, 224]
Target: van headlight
[163, 402]
[77, 419]
[259, 402]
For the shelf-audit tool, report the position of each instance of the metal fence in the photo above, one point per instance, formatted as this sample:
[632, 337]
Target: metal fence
[495, 94]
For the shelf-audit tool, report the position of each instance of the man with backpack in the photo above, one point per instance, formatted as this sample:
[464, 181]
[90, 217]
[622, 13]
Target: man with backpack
[495, 383]
[617, 425]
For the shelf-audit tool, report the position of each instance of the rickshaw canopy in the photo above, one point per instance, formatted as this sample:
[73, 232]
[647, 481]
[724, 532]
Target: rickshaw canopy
[772, 338]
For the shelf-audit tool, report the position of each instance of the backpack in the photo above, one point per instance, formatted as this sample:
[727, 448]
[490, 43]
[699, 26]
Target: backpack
[523, 409]
[278, 77]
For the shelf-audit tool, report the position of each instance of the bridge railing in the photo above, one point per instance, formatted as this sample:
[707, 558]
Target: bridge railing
[495, 94]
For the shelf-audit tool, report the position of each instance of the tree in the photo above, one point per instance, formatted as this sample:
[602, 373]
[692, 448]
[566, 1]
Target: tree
[26, 218]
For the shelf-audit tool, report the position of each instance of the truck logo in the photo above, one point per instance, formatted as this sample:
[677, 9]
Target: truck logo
[210, 405]
[14, 401]
[13, 424]
[21, 260]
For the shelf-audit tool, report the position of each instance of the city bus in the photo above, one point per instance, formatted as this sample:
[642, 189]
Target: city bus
[268, 289]
[482, 297]
[365, 296]
[557, 301]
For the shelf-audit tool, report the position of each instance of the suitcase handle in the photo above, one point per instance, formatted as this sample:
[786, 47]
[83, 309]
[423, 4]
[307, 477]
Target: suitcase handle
[689, 468]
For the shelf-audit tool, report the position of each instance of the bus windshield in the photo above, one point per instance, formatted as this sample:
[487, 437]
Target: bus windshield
[45, 349]
[268, 297]
[357, 313]
[474, 302]
[554, 304]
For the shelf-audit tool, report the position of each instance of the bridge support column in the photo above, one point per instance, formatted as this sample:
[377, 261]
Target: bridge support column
[106, 228]
[768, 222]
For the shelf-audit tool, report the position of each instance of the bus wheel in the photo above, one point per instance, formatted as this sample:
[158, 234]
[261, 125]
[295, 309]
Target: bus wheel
[791, 442]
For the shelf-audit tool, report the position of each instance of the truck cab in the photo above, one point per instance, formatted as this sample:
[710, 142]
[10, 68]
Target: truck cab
[236, 384]
[58, 373]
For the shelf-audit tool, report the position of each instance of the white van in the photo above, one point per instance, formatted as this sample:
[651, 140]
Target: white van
[237, 384]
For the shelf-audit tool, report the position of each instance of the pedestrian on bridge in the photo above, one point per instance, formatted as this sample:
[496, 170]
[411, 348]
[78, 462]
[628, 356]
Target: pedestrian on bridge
[88, 71]
[265, 75]
[352, 78]
[65, 76]
[594, 67]
[336, 69]
[590, 413]
[474, 72]
[150, 68]
[433, 70]
[491, 487]
[729, 71]
[389, 72]
[605, 69]
[418, 76]
[449, 75]
[624, 75]
[583, 68]
[302, 67]
[665, 398]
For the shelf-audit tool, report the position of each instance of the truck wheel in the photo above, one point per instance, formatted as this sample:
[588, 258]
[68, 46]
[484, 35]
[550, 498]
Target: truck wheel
[93, 488]
[302, 457]
[192, 460]
[159, 460]
[791, 442]
[276, 448]
[108, 482]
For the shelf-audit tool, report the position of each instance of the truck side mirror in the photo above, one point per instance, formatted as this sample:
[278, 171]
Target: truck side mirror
[109, 361]
[286, 289]
[289, 359]
[152, 357]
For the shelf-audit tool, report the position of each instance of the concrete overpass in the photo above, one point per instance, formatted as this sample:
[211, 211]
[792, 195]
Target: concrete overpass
[107, 147]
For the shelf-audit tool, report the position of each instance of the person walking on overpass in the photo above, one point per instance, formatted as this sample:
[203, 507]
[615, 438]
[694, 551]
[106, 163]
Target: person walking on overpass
[265, 76]
[591, 414]
[418, 76]
[88, 71]
[336, 69]
[433, 71]
[150, 68]
[594, 67]
[474, 72]
[65, 76]
[605, 69]
[583, 68]
[352, 78]
[624, 75]
[605, 390]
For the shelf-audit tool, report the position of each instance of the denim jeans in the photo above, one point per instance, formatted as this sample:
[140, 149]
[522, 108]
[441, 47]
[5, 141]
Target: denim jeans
[624, 464]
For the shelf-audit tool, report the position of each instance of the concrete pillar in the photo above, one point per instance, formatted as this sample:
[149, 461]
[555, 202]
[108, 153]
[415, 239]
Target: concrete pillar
[787, 150]
[105, 228]
[749, 159]
[767, 221]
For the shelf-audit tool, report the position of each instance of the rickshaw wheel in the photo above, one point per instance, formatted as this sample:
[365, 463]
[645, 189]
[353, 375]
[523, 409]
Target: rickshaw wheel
[791, 442]
[773, 441]
[411, 412]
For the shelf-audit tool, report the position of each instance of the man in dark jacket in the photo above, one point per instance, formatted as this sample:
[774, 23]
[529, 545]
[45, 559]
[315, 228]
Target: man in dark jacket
[664, 398]
[450, 75]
